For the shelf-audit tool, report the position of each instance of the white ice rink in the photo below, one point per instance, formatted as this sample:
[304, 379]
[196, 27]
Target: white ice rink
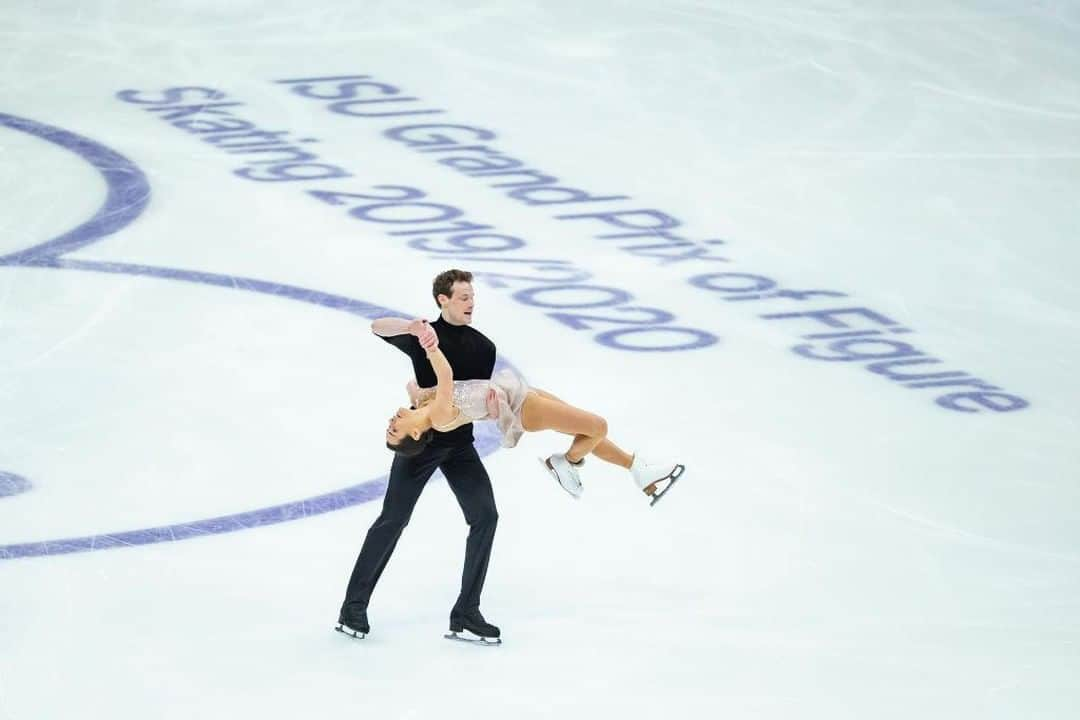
[823, 253]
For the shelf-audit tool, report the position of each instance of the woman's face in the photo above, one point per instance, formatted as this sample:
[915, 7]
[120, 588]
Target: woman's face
[404, 422]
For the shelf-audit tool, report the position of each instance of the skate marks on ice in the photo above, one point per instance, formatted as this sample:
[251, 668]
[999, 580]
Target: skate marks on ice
[128, 194]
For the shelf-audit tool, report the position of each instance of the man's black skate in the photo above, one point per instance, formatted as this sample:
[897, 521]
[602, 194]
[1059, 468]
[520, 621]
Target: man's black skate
[353, 623]
[472, 627]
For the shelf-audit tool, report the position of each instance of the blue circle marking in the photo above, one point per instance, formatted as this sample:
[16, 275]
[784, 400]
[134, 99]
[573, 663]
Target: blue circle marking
[11, 484]
[127, 198]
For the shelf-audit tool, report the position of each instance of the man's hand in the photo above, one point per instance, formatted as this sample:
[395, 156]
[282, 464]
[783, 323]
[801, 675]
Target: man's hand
[417, 327]
[424, 333]
[429, 340]
[492, 402]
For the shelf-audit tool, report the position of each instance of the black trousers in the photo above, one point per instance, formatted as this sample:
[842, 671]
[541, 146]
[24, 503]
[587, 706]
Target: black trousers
[469, 481]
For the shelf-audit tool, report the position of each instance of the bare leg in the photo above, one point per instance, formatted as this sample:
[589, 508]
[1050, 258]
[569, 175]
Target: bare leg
[548, 412]
[545, 412]
[612, 453]
[605, 450]
[545, 393]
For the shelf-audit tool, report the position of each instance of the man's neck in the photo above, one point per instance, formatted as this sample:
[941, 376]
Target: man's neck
[446, 319]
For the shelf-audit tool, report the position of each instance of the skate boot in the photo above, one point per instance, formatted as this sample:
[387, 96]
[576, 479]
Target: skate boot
[472, 627]
[353, 623]
[566, 473]
[649, 477]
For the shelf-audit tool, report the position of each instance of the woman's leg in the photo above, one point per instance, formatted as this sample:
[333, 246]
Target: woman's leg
[612, 453]
[546, 412]
[605, 449]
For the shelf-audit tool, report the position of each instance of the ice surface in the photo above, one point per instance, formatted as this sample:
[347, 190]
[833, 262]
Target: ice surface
[186, 365]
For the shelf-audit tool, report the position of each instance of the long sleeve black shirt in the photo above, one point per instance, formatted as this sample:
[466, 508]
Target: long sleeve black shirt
[470, 353]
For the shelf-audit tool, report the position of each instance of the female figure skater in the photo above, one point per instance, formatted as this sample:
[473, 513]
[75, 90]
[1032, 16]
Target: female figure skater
[516, 408]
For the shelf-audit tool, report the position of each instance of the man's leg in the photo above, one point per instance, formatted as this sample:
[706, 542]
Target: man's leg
[471, 485]
[407, 479]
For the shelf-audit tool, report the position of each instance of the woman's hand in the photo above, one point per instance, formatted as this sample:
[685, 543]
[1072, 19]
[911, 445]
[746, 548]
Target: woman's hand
[424, 333]
[429, 341]
[414, 392]
[492, 402]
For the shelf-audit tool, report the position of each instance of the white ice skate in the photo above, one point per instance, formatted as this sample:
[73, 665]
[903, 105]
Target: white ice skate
[566, 473]
[650, 476]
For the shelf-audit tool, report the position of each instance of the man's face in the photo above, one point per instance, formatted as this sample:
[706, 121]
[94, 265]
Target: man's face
[458, 308]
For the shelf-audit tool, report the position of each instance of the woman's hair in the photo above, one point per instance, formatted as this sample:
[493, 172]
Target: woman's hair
[411, 448]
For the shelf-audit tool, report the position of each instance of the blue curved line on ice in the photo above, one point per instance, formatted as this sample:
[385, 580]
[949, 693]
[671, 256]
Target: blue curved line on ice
[127, 198]
[486, 443]
[11, 484]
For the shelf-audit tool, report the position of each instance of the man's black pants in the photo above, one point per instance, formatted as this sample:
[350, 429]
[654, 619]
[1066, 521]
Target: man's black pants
[469, 481]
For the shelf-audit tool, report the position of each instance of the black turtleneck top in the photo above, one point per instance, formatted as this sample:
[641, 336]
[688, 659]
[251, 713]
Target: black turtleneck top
[470, 354]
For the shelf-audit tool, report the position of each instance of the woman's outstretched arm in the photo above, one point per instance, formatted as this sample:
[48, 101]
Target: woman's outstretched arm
[442, 407]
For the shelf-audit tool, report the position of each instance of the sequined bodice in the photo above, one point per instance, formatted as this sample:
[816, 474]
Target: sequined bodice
[470, 396]
[470, 399]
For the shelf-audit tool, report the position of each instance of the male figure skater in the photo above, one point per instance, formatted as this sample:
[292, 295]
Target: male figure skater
[472, 355]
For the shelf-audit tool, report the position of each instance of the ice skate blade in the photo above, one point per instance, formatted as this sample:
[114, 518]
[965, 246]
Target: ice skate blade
[672, 478]
[474, 639]
[349, 632]
[551, 471]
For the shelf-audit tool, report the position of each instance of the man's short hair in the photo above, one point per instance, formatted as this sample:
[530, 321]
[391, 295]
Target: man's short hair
[444, 283]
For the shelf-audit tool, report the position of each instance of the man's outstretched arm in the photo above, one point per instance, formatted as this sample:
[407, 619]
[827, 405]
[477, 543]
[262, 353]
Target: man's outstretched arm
[391, 326]
[412, 337]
